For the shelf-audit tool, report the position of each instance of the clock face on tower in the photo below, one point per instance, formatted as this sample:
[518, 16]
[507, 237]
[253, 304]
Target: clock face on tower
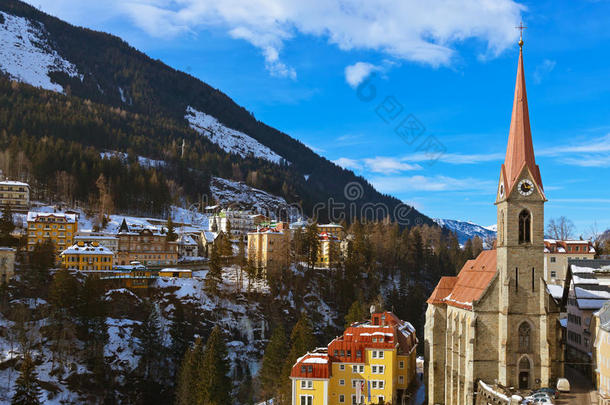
[526, 187]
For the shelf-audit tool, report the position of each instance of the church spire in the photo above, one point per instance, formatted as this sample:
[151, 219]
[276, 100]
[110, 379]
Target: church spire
[520, 150]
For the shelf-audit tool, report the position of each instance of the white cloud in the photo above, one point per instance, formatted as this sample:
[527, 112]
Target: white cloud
[397, 184]
[543, 69]
[455, 158]
[348, 163]
[388, 165]
[356, 73]
[411, 30]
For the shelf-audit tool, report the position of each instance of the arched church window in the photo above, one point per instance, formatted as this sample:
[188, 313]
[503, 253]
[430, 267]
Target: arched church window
[524, 339]
[525, 224]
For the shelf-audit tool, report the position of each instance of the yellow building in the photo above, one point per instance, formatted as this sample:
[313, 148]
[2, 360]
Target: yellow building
[15, 194]
[87, 256]
[268, 246]
[601, 352]
[329, 250]
[374, 362]
[57, 227]
[7, 264]
[176, 273]
[332, 229]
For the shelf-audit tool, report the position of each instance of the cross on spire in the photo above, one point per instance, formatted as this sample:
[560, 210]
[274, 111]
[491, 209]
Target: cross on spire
[521, 27]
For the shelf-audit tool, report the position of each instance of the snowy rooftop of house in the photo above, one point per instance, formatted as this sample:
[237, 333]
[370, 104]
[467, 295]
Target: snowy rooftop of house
[34, 216]
[13, 183]
[209, 236]
[87, 249]
[589, 284]
[266, 230]
[187, 240]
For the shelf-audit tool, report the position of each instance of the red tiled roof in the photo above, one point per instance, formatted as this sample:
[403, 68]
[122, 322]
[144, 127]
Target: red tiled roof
[470, 283]
[312, 365]
[384, 328]
[443, 289]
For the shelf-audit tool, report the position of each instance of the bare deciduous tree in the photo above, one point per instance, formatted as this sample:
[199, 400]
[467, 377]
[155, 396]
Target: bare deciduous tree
[560, 228]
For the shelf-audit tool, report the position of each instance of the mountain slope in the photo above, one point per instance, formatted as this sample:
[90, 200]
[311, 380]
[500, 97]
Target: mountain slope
[467, 230]
[104, 70]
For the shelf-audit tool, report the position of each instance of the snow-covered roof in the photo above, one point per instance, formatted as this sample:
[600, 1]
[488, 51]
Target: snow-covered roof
[186, 240]
[87, 249]
[33, 216]
[84, 236]
[13, 183]
[210, 236]
[556, 291]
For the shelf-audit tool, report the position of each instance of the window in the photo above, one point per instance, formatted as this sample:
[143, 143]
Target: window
[342, 367]
[341, 398]
[553, 259]
[341, 382]
[374, 354]
[401, 379]
[307, 384]
[306, 399]
[524, 337]
[525, 223]
[377, 369]
[380, 399]
[401, 364]
[380, 354]
[359, 353]
[553, 274]
[357, 402]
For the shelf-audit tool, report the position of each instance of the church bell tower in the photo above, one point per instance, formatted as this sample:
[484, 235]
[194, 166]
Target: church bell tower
[523, 348]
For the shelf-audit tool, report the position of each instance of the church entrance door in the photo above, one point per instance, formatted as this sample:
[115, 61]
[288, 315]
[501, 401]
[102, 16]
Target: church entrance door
[524, 378]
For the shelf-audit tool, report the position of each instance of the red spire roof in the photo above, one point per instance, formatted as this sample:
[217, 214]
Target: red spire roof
[520, 150]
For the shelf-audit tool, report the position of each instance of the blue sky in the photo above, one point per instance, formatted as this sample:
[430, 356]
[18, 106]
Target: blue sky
[450, 64]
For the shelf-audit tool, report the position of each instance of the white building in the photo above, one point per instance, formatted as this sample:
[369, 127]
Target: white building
[241, 222]
[187, 246]
[558, 252]
[589, 290]
[15, 194]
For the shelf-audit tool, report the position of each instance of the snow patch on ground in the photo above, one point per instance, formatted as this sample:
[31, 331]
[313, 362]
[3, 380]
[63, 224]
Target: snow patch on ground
[26, 55]
[142, 161]
[230, 140]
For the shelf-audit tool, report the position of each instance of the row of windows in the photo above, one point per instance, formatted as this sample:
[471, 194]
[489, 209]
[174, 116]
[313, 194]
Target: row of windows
[574, 337]
[87, 259]
[48, 235]
[377, 354]
[76, 267]
[574, 319]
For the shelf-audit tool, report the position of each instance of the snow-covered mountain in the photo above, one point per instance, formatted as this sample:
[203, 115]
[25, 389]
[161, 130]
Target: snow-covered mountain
[27, 56]
[467, 230]
[228, 139]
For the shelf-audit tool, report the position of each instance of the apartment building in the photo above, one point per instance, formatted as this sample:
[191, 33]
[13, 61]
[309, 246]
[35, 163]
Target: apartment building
[58, 227]
[15, 194]
[558, 252]
[373, 362]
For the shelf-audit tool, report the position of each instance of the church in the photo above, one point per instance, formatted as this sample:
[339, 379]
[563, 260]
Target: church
[496, 321]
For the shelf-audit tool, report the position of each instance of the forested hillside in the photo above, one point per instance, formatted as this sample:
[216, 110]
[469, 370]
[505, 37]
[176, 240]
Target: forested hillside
[117, 98]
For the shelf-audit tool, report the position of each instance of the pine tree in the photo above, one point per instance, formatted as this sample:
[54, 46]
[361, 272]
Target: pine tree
[245, 392]
[271, 371]
[301, 341]
[150, 347]
[214, 384]
[171, 232]
[213, 279]
[179, 334]
[356, 313]
[7, 226]
[63, 293]
[312, 243]
[27, 388]
[188, 376]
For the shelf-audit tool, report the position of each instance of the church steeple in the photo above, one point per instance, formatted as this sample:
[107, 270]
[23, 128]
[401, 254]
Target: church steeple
[520, 150]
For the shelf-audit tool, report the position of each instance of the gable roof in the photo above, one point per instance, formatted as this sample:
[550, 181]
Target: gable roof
[470, 283]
